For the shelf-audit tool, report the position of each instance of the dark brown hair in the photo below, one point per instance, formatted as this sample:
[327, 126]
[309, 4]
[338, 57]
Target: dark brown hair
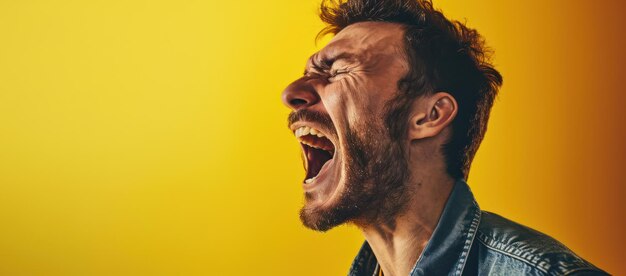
[444, 55]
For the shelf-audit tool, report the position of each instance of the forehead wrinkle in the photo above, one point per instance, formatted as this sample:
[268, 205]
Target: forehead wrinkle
[373, 40]
[330, 54]
[337, 50]
[363, 42]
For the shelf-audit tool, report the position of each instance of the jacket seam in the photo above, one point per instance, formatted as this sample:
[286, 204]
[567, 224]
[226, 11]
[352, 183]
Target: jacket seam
[527, 262]
[473, 230]
[569, 272]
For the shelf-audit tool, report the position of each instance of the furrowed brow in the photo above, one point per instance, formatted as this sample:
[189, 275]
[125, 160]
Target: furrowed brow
[313, 63]
[348, 56]
[320, 62]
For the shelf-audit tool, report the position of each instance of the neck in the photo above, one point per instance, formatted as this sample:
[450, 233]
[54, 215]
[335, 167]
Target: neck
[397, 245]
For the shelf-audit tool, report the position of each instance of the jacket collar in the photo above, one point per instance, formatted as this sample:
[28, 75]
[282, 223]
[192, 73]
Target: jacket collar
[448, 248]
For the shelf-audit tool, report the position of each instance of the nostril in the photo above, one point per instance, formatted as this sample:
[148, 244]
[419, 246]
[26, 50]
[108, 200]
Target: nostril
[297, 102]
[299, 94]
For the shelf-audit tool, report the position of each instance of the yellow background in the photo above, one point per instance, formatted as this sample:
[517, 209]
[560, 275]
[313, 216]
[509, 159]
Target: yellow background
[148, 137]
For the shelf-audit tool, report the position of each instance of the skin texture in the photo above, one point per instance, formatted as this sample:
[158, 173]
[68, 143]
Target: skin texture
[393, 188]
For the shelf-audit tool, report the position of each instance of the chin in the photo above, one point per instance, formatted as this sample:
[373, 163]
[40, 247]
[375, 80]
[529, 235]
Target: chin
[319, 218]
[341, 204]
[323, 208]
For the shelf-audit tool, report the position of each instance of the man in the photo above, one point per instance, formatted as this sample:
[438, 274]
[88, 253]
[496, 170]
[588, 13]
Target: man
[390, 115]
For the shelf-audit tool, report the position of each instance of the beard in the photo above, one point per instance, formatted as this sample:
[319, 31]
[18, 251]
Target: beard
[375, 184]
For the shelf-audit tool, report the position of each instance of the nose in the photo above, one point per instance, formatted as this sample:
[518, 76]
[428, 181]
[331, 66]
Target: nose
[300, 94]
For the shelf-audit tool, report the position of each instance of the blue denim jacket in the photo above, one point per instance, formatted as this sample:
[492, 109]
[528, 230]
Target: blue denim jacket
[468, 241]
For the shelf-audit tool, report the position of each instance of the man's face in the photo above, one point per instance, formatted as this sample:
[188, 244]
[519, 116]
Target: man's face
[355, 170]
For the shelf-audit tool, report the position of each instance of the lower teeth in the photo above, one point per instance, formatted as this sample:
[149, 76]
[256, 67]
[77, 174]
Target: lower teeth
[308, 181]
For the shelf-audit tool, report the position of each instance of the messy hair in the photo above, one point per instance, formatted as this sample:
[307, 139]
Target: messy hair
[443, 55]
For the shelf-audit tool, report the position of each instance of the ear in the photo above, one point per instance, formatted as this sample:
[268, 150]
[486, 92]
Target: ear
[431, 115]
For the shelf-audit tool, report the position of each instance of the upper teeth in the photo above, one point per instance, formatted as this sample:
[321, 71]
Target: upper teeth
[305, 130]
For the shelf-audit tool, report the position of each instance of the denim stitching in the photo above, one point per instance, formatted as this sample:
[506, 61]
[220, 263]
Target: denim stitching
[469, 240]
[483, 239]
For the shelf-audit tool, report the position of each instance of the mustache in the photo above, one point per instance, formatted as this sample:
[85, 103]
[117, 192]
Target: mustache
[310, 116]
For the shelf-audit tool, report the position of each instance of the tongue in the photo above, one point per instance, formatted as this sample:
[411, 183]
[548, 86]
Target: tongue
[316, 159]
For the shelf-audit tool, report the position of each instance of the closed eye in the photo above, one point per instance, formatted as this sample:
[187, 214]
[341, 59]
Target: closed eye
[338, 72]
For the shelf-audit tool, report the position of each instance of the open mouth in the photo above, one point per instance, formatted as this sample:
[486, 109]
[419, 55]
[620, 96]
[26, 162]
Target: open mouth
[318, 151]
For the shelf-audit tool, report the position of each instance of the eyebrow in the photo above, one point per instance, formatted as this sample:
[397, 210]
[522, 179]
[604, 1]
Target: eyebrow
[323, 63]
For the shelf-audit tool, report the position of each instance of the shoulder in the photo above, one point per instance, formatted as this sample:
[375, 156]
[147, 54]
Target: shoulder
[511, 243]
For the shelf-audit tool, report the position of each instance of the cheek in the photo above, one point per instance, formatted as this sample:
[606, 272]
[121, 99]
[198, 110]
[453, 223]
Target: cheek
[339, 100]
[354, 101]
[360, 100]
